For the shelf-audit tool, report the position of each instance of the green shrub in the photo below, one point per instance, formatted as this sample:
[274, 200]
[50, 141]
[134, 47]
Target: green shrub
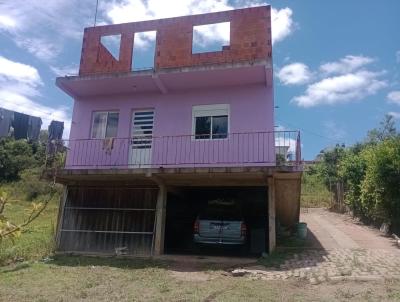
[380, 189]
[313, 191]
[370, 172]
[351, 172]
[31, 186]
[18, 155]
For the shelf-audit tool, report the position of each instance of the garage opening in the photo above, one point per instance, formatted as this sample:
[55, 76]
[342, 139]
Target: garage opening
[108, 220]
[229, 221]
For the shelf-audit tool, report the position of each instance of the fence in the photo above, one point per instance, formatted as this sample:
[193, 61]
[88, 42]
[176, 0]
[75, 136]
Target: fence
[233, 149]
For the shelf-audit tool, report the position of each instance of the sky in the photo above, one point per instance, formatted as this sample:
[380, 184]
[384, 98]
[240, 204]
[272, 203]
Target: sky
[336, 63]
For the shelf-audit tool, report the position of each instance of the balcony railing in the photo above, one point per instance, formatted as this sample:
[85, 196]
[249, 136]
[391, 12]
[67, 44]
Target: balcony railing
[278, 148]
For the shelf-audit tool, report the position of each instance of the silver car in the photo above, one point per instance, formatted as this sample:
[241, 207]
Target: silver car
[220, 224]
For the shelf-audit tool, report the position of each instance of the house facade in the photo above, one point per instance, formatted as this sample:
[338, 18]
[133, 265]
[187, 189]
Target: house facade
[149, 147]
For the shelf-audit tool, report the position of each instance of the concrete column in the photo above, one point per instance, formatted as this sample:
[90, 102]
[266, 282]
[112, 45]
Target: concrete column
[271, 215]
[160, 220]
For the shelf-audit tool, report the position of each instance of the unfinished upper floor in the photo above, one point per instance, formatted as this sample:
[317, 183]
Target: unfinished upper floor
[249, 41]
[173, 63]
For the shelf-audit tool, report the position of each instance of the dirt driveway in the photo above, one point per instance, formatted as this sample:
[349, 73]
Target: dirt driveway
[339, 231]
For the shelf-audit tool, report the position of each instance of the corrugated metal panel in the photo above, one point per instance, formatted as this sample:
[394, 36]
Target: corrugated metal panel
[111, 220]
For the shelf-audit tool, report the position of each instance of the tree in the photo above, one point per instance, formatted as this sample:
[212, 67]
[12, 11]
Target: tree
[11, 230]
[329, 163]
[19, 155]
[386, 130]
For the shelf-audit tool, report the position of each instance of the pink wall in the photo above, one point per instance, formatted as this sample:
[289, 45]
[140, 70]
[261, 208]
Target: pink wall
[251, 110]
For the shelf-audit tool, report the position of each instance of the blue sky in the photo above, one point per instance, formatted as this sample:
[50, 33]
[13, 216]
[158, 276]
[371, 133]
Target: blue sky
[336, 63]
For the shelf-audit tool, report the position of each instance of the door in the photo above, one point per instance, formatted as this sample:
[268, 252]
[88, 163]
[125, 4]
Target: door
[141, 138]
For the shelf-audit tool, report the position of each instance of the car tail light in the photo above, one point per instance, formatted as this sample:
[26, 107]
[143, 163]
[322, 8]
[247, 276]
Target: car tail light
[196, 227]
[243, 229]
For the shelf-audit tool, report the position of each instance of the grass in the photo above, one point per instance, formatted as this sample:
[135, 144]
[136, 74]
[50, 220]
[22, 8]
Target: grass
[78, 278]
[99, 279]
[37, 241]
[314, 193]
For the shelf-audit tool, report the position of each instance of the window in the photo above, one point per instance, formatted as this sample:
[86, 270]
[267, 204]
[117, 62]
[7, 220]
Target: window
[112, 43]
[211, 37]
[105, 124]
[211, 121]
[144, 49]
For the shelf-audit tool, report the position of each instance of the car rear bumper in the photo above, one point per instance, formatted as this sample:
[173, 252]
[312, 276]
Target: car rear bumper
[219, 241]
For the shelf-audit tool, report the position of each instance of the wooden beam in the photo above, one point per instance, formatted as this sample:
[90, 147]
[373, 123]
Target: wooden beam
[271, 215]
[161, 210]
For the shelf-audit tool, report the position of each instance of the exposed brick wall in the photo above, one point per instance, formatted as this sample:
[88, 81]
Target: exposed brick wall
[250, 40]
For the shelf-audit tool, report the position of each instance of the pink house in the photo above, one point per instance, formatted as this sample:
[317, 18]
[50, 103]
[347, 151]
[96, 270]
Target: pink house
[145, 144]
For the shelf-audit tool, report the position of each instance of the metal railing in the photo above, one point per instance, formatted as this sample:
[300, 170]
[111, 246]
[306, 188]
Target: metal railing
[277, 148]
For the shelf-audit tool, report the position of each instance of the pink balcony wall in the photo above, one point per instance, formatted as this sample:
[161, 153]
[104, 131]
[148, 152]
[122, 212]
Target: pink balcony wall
[251, 111]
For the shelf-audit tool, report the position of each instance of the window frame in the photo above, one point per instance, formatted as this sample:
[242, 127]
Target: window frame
[106, 124]
[215, 110]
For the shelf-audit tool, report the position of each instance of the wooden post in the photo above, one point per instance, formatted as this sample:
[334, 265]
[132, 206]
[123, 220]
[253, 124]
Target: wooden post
[271, 215]
[160, 220]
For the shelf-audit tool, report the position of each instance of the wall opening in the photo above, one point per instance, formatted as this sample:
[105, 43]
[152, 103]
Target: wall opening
[144, 48]
[189, 206]
[109, 220]
[211, 37]
[112, 43]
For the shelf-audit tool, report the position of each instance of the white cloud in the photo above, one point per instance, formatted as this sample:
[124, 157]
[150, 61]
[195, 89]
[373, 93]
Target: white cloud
[398, 56]
[64, 70]
[341, 89]
[394, 97]
[139, 10]
[39, 47]
[62, 17]
[396, 115]
[345, 65]
[282, 24]
[208, 34]
[294, 74]
[6, 22]
[342, 81]
[145, 39]
[43, 27]
[19, 86]
[14, 71]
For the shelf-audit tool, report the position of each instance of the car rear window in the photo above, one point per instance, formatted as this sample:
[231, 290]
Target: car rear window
[221, 213]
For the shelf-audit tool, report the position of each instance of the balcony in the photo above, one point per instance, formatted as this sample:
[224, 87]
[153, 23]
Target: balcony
[245, 60]
[253, 149]
[168, 80]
